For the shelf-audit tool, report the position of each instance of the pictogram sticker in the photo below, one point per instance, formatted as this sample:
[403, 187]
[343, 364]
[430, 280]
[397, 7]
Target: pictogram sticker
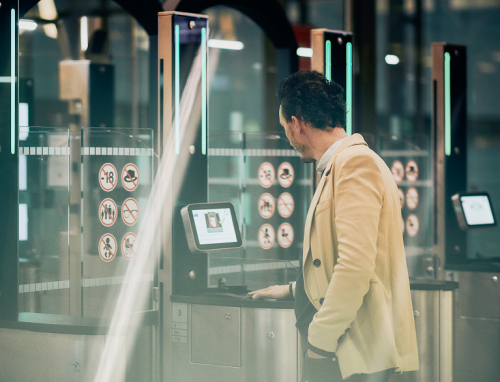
[412, 225]
[107, 177]
[398, 171]
[130, 177]
[266, 174]
[401, 197]
[266, 236]
[107, 247]
[285, 235]
[129, 245]
[285, 205]
[412, 198]
[267, 205]
[285, 174]
[411, 171]
[130, 211]
[108, 212]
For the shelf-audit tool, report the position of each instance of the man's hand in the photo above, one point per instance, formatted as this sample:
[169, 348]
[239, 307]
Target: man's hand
[275, 291]
[312, 354]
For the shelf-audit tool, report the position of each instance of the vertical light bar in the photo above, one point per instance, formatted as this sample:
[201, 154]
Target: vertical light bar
[177, 85]
[348, 85]
[204, 91]
[328, 61]
[447, 104]
[13, 81]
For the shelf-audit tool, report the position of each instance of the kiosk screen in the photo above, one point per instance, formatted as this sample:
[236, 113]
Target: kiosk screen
[474, 210]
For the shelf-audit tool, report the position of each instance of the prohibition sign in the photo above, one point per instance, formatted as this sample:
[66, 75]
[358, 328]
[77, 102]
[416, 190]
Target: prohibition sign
[107, 177]
[412, 198]
[401, 197]
[411, 171]
[108, 212]
[285, 204]
[266, 236]
[266, 174]
[130, 211]
[129, 245]
[267, 206]
[285, 174]
[398, 171]
[107, 247]
[412, 225]
[285, 235]
[130, 177]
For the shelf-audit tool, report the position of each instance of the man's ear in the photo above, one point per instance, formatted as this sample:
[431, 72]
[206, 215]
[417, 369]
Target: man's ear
[298, 125]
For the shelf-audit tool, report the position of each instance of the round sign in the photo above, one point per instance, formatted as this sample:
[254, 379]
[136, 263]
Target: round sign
[129, 245]
[107, 247]
[412, 225]
[285, 174]
[285, 204]
[411, 171]
[398, 171]
[108, 212]
[266, 206]
[130, 211]
[130, 177]
[401, 197]
[266, 174]
[107, 177]
[412, 198]
[266, 236]
[285, 235]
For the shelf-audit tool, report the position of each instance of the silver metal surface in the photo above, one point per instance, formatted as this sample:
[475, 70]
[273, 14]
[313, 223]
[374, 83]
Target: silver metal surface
[479, 295]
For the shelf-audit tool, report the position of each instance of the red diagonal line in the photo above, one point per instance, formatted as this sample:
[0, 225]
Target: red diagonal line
[128, 245]
[107, 211]
[268, 205]
[131, 177]
[286, 205]
[264, 232]
[268, 177]
[106, 177]
[283, 233]
[107, 247]
[131, 214]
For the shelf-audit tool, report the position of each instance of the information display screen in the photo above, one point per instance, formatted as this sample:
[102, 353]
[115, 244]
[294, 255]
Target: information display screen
[474, 210]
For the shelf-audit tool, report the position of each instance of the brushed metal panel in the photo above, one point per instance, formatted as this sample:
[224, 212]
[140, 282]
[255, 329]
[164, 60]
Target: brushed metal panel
[215, 335]
[479, 294]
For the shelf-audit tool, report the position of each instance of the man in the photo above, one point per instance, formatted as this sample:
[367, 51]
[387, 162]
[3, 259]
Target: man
[352, 295]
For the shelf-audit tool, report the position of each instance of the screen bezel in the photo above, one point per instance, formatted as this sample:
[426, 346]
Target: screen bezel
[473, 226]
[219, 246]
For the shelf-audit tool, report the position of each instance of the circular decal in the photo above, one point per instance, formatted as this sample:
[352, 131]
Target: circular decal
[129, 245]
[108, 212]
[412, 198]
[107, 177]
[107, 247]
[398, 171]
[130, 211]
[130, 177]
[285, 235]
[266, 236]
[267, 206]
[401, 197]
[412, 225]
[411, 171]
[285, 204]
[266, 174]
[285, 174]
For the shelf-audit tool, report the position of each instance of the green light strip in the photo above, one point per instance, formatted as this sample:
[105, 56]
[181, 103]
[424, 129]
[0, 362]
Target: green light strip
[204, 91]
[348, 85]
[177, 85]
[13, 81]
[328, 60]
[447, 104]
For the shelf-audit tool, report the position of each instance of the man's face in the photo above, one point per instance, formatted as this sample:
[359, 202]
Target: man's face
[301, 148]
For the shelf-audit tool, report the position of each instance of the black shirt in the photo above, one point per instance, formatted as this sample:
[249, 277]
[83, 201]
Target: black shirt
[304, 309]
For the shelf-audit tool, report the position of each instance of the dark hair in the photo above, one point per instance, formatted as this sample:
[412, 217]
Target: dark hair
[310, 97]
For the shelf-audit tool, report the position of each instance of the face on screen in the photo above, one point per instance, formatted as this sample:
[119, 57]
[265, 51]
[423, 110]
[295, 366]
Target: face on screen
[214, 226]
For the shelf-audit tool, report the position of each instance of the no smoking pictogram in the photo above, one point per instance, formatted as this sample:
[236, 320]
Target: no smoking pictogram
[285, 204]
[107, 177]
[266, 174]
[285, 174]
[266, 236]
[411, 171]
[401, 197]
[398, 171]
[130, 177]
[130, 211]
[108, 212]
[412, 225]
[129, 245]
[412, 198]
[107, 247]
[267, 206]
[285, 235]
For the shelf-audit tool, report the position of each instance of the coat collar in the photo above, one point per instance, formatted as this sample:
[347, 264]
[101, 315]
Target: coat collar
[353, 140]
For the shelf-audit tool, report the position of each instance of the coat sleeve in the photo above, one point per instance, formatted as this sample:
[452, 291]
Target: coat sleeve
[358, 199]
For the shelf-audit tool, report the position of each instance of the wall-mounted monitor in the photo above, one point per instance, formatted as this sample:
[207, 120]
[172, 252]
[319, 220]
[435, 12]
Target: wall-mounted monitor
[474, 210]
